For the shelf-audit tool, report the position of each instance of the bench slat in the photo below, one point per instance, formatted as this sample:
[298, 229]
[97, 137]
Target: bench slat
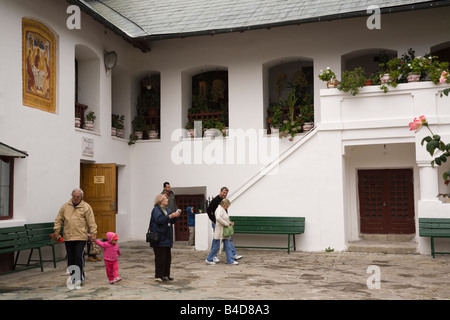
[267, 218]
[269, 223]
[426, 226]
[265, 229]
[434, 233]
[435, 220]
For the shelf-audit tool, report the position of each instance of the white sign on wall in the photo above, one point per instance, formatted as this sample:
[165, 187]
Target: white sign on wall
[87, 146]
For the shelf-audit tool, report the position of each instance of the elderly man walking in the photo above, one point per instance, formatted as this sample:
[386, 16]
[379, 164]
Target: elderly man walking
[77, 217]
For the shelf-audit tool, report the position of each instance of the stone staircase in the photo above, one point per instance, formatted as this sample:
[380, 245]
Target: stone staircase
[384, 243]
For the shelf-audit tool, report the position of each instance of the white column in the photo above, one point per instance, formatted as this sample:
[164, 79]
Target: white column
[429, 183]
[203, 232]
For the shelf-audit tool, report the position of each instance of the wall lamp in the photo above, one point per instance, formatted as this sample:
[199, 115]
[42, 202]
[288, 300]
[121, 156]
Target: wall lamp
[110, 60]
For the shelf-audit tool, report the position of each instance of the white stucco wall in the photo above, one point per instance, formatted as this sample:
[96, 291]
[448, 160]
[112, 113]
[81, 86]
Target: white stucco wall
[312, 182]
[45, 179]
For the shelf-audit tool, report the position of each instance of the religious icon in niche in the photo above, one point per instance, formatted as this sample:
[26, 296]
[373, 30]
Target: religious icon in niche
[38, 66]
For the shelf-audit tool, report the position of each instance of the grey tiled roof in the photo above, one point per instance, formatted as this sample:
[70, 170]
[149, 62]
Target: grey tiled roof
[164, 18]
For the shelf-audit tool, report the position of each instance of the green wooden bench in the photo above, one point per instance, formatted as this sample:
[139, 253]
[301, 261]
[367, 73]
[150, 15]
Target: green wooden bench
[434, 228]
[270, 225]
[39, 234]
[15, 239]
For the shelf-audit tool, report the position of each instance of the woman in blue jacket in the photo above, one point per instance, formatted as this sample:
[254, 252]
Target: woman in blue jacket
[162, 221]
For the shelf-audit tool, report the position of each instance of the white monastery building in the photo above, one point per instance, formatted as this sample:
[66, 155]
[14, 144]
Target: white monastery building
[230, 65]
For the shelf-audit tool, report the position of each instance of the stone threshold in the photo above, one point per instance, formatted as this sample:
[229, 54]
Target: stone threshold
[384, 243]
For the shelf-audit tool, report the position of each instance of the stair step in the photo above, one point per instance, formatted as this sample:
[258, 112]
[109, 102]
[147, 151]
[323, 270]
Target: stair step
[384, 243]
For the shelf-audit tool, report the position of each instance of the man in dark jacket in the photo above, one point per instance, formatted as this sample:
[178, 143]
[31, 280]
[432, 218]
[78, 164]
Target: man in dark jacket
[215, 203]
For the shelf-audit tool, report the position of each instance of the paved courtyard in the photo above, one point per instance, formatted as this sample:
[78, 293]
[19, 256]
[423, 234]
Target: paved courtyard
[260, 275]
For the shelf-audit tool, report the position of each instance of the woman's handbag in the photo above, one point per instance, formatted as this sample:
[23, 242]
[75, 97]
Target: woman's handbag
[152, 236]
[227, 232]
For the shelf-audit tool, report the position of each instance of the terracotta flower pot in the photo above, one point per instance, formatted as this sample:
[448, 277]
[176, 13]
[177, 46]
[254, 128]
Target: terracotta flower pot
[331, 83]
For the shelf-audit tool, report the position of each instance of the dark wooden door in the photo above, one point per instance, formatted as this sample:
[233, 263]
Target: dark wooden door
[386, 201]
[183, 201]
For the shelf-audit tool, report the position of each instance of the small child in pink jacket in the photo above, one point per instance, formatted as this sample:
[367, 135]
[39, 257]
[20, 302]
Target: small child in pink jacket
[110, 255]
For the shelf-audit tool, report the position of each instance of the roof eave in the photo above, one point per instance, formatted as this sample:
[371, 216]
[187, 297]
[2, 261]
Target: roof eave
[144, 42]
[141, 43]
[10, 152]
[338, 16]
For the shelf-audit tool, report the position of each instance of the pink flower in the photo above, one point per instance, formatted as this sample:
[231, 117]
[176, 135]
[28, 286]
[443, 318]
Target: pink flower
[417, 123]
[443, 77]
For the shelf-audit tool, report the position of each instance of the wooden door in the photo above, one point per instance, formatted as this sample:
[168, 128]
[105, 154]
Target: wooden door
[98, 182]
[184, 201]
[386, 201]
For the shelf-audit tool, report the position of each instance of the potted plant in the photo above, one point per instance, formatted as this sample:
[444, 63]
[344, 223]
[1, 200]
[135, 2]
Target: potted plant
[291, 127]
[307, 116]
[90, 118]
[77, 120]
[191, 133]
[120, 126]
[352, 81]
[212, 127]
[220, 126]
[392, 73]
[373, 79]
[418, 68]
[329, 76]
[153, 132]
[292, 124]
[275, 117]
[139, 126]
[438, 72]
[113, 125]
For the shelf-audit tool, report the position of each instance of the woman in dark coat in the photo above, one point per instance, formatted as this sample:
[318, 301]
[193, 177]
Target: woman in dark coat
[161, 221]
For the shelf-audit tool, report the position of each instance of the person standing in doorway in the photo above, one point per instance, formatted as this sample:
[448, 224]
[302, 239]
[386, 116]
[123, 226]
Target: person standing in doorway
[77, 218]
[211, 214]
[191, 222]
[172, 205]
